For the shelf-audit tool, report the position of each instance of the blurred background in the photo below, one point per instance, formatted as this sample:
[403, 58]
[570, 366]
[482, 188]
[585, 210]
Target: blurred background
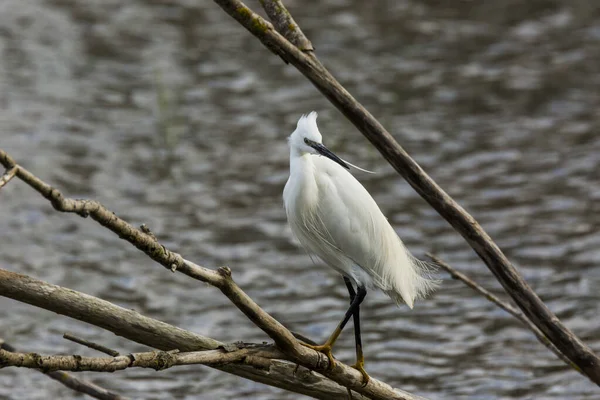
[171, 114]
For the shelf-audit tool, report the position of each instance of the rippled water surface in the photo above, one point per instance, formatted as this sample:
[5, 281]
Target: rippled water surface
[172, 115]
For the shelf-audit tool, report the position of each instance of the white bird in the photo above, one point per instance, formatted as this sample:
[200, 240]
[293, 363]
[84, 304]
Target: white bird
[334, 217]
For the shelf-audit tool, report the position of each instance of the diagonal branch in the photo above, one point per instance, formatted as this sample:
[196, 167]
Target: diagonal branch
[459, 219]
[84, 386]
[73, 382]
[284, 23]
[506, 307]
[145, 241]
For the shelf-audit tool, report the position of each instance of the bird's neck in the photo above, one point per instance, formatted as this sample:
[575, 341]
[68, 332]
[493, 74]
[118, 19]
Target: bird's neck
[298, 159]
[301, 188]
[295, 152]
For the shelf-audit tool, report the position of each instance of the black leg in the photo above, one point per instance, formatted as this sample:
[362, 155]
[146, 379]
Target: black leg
[360, 359]
[356, 299]
[350, 288]
[354, 305]
[356, 316]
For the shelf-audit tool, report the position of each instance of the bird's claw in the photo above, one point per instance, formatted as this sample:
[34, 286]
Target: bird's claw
[325, 349]
[360, 367]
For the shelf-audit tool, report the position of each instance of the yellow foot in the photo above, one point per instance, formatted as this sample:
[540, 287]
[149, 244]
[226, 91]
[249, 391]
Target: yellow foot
[360, 366]
[325, 349]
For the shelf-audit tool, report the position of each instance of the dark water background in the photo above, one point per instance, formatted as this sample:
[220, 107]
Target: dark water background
[171, 114]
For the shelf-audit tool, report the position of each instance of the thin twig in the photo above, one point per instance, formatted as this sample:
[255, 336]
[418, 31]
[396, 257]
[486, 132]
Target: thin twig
[475, 286]
[506, 307]
[512, 281]
[8, 175]
[91, 345]
[73, 382]
[84, 386]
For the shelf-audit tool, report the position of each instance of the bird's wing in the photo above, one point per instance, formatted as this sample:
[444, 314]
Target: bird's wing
[342, 224]
[352, 223]
[358, 230]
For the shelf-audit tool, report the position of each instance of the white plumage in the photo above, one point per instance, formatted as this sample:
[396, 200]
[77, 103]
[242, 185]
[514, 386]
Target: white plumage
[334, 217]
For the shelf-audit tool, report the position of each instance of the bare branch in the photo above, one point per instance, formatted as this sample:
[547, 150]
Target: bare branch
[84, 386]
[72, 382]
[8, 175]
[147, 243]
[157, 334]
[285, 24]
[91, 345]
[284, 339]
[120, 321]
[157, 360]
[461, 221]
[506, 307]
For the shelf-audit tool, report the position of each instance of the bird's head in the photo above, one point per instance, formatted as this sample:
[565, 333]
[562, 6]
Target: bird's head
[307, 139]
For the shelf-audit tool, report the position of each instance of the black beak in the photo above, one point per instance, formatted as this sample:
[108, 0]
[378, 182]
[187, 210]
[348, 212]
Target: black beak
[324, 151]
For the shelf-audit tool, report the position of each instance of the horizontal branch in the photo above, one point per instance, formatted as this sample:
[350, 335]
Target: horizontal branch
[157, 360]
[73, 382]
[512, 281]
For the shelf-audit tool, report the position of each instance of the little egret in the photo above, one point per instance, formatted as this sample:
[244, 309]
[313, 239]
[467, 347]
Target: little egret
[334, 217]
